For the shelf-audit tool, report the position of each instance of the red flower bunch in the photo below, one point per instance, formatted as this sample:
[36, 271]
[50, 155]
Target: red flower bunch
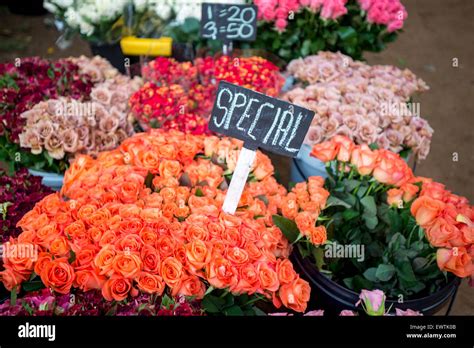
[18, 195]
[181, 95]
[33, 80]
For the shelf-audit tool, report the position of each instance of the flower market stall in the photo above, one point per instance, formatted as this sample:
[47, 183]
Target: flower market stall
[119, 176]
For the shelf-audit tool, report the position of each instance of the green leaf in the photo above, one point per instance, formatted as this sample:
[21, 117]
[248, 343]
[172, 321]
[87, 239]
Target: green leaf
[370, 274]
[405, 271]
[385, 272]
[72, 256]
[33, 286]
[305, 48]
[199, 192]
[318, 254]
[350, 214]
[287, 227]
[234, 311]
[334, 201]
[419, 263]
[212, 304]
[346, 33]
[370, 221]
[149, 181]
[369, 205]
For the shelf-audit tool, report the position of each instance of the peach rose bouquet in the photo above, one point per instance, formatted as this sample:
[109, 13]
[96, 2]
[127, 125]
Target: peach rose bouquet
[378, 226]
[417, 234]
[146, 218]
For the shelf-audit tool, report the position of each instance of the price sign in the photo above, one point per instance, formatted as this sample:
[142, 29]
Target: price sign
[229, 22]
[261, 122]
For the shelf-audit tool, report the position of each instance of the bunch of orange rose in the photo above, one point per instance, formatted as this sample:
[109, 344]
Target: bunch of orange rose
[146, 217]
[445, 217]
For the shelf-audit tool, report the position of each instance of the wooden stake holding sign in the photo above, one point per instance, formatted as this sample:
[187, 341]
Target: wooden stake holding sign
[261, 122]
[228, 23]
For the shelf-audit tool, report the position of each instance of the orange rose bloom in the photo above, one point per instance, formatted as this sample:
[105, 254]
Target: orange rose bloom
[10, 279]
[345, 147]
[116, 288]
[237, 255]
[289, 206]
[104, 259]
[391, 169]
[268, 277]
[364, 159]
[325, 151]
[170, 169]
[43, 259]
[409, 192]
[455, 260]
[58, 275]
[318, 235]
[426, 209]
[221, 273]
[171, 271]
[295, 295]
[197, 255]
[190, 286]
[285, 271]
[19, 258]
[127, 265]
[395, 197]
[59, 247]
[305, 222]
[440, 233]
[150, 283]
[128, 192]
[88, 280]
[248, 280]
[151, 259]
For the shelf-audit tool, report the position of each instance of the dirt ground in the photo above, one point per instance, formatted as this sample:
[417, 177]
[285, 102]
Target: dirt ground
[437, 35]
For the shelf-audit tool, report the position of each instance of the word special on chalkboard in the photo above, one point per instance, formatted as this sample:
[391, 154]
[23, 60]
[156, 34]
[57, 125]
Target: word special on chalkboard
[260, 121]
[229, 22]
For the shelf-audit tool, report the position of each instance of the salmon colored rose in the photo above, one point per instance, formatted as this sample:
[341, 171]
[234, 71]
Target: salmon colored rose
[345, 147]
[197, 255]
[440, 233]
[395, 197]
[268, 277]
[364, 159]
[116, 288]
[326, 151]
[151, 259]
[295, 295]
[456, 260]
[58, 275]
[190, 286]
[391, 169]
[11, 279]
[318, 235]
[426, 209]
[150, 283]
[104, 260]
[128, 265]
[285, 271]
[88, 280]
[170, 169]
[221, 273]
[43, 259]
[171, 271]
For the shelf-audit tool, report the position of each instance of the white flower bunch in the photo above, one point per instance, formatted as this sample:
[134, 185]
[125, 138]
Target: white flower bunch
[86, 16]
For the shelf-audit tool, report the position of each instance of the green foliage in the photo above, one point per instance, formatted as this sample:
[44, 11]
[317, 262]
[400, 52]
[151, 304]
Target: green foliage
[222, 302]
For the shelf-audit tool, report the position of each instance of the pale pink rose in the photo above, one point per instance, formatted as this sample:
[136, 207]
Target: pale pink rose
[314, 135]
[44, 128]
[29, 138]
[315, 313]
[54, 145]
[367, 133]
[108, 124]
[347, 313]
[406, 313]
[102, 95]
[395, 137]
[372, 301]
[70, 140]
[353, 122]
[333, 9]
[383, 142]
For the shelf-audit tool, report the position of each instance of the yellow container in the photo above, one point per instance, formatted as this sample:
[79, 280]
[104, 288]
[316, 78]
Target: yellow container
[134, 46]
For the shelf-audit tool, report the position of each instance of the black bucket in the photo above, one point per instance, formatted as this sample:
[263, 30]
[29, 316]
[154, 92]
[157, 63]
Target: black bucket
[333, 298]
[113, 53]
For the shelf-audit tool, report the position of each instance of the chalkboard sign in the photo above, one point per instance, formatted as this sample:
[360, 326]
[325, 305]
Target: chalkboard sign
[229, 22]
[260, 121]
